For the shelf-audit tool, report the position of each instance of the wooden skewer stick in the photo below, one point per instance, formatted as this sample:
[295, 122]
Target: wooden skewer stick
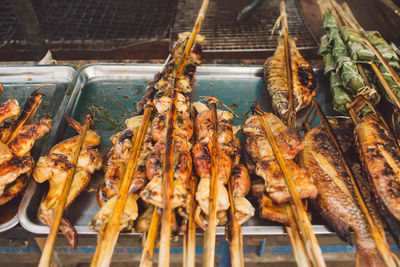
[296, 242]
[167, 182]
[234, 233]
[209, 236]
[108, 239]
[45, 259]
[190, 235]
[148, 250]
[303, 222]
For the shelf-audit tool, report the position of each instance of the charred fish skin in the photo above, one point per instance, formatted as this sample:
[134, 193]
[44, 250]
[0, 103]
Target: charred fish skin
[336, 200]
[381, 161]
[304, 79]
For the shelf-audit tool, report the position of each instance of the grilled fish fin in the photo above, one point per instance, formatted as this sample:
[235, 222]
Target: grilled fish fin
[391, 222]
[340, 227]
[69, 232]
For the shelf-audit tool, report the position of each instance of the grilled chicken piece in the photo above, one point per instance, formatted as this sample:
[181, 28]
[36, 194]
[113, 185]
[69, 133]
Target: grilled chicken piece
[12, 169]
[304, 82]
[336, 198]
[54, 167]
[13, 189]
[270, 210]
[228, 155]
[9, 109]
[264, 163]
[182, 161]
[381, 161]
[28, 134]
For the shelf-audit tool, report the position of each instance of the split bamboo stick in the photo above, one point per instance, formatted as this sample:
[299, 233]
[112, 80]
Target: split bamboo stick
[47, 252]
[209, 236]
[148, 250]
[190, 235]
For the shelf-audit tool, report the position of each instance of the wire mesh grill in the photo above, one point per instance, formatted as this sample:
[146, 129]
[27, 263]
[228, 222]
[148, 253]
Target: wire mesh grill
[224, 34]
[92, 25]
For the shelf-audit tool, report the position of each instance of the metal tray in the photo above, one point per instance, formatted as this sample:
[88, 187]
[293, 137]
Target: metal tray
[111, 92]
[18, 83]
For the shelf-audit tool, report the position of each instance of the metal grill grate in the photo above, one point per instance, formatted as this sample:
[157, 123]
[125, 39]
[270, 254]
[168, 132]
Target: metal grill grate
[92, 25]
[224, 34]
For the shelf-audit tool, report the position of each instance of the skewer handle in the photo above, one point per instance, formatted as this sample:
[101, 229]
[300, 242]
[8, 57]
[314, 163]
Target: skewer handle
[45, 259]
[209, 236]
[190, 236]
[148, 250]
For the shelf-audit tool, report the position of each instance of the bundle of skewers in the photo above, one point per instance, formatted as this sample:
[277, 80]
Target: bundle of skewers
[17, 138]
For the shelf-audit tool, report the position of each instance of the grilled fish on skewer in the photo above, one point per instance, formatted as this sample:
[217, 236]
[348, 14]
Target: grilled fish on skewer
[228, 168]
[336, 198]
[265, 165]
[54, 167]
[381, 161]
[304, 82]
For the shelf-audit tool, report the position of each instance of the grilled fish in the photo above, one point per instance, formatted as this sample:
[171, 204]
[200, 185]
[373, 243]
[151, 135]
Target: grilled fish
[275, 74]
[380, 157]
[336, 199]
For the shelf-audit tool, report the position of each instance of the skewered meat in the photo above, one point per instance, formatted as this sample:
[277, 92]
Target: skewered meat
[228, 168]
[265, 165]
[182, 161]
[336, 197]
[13, 189]
[381, 161]
[114, 166]
[54, 167]
[304, 82]
[9, 109]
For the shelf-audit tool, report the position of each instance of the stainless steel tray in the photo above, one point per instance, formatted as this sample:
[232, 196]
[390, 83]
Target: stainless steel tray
[111, 92]
[19, 82]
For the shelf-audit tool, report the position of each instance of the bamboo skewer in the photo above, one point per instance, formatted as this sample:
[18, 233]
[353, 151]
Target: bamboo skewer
[234, 234]
[109, 237]
[209, 236]
[167, 183]
[148, 250]
[300, 214]
[190, 235]
[47, 252]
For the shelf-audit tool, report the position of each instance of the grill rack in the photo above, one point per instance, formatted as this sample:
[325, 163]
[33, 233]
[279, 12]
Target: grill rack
[92, 25]
[108, 25]
[224, 34]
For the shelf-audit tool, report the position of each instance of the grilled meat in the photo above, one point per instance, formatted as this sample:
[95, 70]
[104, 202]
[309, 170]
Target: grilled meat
[304, 82]
[264, 163]
[13, 189]
[9, 109]
[228, 155]
[54, 167]
[335, 194]
[381, 161]
[182, 161]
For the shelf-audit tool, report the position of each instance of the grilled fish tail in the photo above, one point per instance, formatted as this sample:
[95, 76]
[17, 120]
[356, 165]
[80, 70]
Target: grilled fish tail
[367, 255]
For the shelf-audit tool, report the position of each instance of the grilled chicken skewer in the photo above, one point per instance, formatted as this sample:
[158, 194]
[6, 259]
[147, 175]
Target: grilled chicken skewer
[54, 168]
[336, 197]
[16, 162]
[263, 163]
[229, 168]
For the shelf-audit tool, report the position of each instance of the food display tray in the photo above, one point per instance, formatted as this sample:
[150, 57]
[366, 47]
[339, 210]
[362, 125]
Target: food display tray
[110, 92]
[19, 82]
